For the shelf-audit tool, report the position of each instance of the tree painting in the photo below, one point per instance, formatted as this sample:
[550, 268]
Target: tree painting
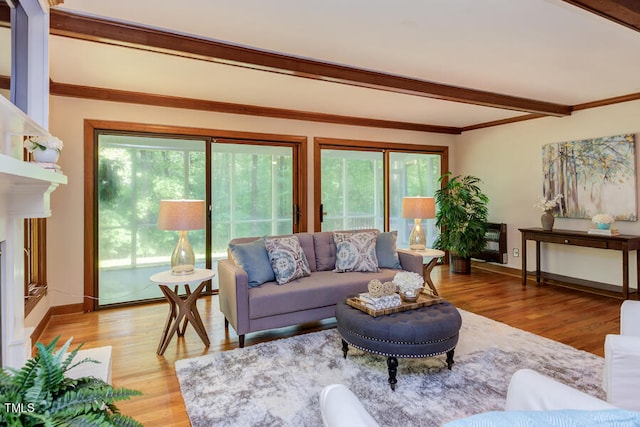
[593, 175]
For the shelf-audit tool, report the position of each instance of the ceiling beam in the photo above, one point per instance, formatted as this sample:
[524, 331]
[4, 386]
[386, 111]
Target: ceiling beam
[102, 94]
[96, 29]
[623, 12]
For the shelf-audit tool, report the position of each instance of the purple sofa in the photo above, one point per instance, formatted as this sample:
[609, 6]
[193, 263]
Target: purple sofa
[307, 299]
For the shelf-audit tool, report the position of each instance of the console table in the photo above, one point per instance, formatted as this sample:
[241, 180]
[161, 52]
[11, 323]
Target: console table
[622, 242]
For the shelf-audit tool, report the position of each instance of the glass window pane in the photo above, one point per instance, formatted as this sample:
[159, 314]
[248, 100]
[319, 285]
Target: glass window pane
[134, 174]
[352, 189]
[251, 192]
[411, 174]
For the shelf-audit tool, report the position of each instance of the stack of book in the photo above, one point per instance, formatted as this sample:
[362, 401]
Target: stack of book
[50, 166]
[609, 232]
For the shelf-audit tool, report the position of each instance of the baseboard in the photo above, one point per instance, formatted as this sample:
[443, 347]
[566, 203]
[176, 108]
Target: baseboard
[53, 311]
[496, 268]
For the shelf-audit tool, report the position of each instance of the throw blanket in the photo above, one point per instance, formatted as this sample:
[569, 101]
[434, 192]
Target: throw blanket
[386, 301]
[564, 418]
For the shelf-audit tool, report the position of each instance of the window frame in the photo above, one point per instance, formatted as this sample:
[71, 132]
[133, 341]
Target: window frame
[320, 143]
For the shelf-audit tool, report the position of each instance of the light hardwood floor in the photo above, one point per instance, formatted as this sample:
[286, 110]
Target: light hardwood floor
[576, 318]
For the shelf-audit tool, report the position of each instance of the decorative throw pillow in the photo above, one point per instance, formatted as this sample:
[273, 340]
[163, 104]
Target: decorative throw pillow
[287, 258]
[356, 251]
[252, 257]
[386, 250]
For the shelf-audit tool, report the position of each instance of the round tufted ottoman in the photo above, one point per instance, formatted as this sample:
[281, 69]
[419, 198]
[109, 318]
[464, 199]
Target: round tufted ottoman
[423, 332]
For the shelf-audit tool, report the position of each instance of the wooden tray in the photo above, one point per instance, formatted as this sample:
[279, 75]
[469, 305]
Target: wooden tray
[423, 301]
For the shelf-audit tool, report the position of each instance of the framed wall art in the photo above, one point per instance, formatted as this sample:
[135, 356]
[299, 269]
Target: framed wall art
[593, 175]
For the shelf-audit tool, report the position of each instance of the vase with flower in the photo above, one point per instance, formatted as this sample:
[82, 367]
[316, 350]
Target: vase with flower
[603, 221]
[547, 206]
[44, 149]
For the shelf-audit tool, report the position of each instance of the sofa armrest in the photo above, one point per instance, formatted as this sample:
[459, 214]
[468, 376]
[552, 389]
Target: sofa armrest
[622, 371]
[411, 262]
[531, 391]
[233, 295]
[341, 408]
[630, 318]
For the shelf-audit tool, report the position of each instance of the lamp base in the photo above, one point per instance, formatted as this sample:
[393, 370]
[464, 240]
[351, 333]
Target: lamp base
[182, 258]
[417, 239]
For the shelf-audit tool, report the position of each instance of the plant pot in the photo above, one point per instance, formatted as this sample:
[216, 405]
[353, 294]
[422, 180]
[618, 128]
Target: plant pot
[459, 265]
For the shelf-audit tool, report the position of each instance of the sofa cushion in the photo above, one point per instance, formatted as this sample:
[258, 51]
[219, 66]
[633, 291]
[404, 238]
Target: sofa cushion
[356, 251]
[321, 289]
[307, 244]
[387, 251]
[287, 258]
[325, 249]
[252, 257]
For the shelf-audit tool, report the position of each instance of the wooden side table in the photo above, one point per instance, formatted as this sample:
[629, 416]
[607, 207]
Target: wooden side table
[429, 260]
[182, 307]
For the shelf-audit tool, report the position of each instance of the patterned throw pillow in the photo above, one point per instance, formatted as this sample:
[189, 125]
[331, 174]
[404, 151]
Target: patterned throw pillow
[356, 251]
[288, 261]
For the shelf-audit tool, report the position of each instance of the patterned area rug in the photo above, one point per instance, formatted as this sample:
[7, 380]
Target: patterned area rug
[278, 383]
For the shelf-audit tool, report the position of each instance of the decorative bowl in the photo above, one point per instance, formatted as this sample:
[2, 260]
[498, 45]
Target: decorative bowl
[410, 296]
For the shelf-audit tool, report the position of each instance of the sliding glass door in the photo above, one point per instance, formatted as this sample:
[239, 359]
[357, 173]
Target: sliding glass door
[252, 191]
[352, 190]
[410, 175]
[360, 184]
[134, 174]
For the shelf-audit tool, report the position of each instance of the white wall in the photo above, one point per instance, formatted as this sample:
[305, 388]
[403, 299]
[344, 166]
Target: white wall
[65, 228]
[509, 161]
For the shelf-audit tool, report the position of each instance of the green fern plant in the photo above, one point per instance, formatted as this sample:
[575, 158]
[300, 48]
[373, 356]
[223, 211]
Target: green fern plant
[39, 394]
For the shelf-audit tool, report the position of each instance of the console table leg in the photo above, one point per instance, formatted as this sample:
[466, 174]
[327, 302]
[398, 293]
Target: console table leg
[345, 348]
[523, 251]
[450, 361]
[625, 273]
[392, 364]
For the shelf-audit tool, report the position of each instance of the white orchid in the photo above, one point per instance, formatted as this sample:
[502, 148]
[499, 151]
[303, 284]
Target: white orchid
[547, 204]
[42, 143]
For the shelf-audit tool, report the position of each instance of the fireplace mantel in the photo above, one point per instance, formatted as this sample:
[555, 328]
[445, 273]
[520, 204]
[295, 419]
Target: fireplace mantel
[25, 191]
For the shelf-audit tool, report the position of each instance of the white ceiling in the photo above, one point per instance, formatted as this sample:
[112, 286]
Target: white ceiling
[540, 49]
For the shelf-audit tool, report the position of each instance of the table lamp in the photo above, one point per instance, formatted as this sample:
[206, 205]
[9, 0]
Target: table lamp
[181, 216]
[418, 208]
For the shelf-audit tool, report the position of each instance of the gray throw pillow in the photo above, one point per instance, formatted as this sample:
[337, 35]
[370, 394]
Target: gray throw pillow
[356, 251]
[288, 261]
[387, 251]
[252, 257]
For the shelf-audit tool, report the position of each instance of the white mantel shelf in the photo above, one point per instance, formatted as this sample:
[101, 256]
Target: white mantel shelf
[27, 187]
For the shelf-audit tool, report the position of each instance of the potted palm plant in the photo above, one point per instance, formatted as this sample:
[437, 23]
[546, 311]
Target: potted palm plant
[39, 394]
[462, 219]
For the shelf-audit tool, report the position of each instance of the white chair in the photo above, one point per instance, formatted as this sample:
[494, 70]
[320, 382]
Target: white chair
[622, 359]
[530, 391]
[341, 408]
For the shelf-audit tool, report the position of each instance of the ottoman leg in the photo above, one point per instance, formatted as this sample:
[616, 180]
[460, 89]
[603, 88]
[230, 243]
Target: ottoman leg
[345, 348]
[450, 361]
[392, 364]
